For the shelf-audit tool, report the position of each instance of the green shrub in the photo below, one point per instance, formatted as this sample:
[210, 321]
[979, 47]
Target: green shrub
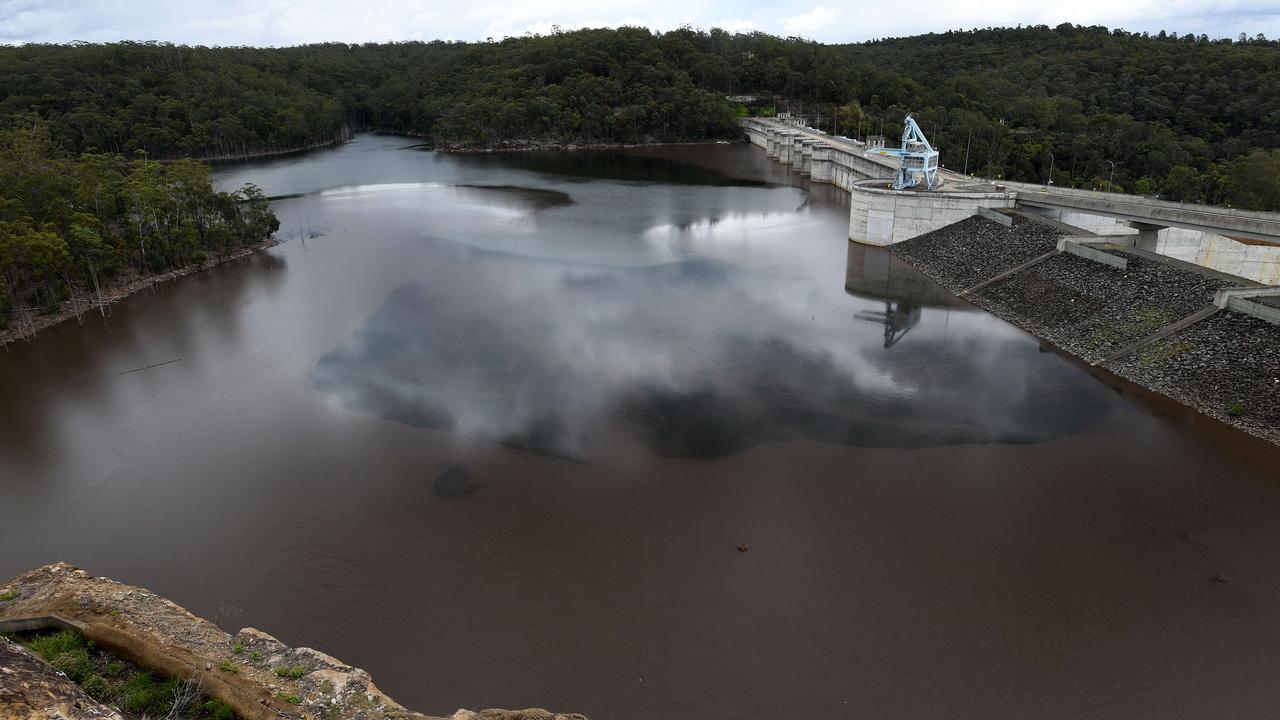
[228, 666]
[95, 687]
[8, 595]
[51, 646]
[237, 649]
[289, 698]
[219, 710]
[142, 694]
[294, 672]
[75, 664]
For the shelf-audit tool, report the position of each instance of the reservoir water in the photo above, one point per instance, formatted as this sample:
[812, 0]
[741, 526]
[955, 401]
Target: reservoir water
[493, 427]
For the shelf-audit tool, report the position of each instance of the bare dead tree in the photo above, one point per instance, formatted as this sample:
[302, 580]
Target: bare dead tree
[187, 692]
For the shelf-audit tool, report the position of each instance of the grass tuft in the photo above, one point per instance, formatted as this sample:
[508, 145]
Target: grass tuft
[113, 682]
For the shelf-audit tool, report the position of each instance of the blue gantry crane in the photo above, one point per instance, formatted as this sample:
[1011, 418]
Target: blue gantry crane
[917, 160]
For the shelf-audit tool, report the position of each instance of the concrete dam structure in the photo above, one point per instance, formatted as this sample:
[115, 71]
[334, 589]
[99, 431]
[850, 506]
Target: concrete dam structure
[1238, 242]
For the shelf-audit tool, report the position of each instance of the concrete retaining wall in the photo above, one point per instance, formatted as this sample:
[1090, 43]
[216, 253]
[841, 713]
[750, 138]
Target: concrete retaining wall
[879, 215]
[1260, 263]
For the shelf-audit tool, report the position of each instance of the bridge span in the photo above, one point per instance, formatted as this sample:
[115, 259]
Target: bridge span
[1238, 242]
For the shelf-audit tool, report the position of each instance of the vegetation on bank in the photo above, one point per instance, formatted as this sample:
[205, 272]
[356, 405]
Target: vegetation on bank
[73, 226]
[114, 682]
[1185, 117]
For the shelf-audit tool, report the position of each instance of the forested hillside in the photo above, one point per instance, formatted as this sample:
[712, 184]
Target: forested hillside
[1186, 117]
[73, 227]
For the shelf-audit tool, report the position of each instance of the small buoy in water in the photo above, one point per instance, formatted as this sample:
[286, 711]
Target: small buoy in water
[742, 547]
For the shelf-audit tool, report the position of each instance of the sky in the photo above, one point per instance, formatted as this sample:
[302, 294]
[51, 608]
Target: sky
[292, 22]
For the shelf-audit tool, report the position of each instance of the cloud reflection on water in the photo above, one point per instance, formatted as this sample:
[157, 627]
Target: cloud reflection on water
[696, 357]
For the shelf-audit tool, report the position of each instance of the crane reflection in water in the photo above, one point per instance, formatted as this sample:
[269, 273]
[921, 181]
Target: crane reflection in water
[874, 273]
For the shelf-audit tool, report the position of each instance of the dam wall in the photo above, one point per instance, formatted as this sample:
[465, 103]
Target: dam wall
[878, 215]
[877, 218]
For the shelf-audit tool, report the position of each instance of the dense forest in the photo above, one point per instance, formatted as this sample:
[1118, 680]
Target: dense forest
[84, 193]
[72, 227]
[1185, 117]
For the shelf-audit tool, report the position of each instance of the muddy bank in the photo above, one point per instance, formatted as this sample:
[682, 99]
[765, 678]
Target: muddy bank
[258, 676]
[1225, 367]
[79, 306]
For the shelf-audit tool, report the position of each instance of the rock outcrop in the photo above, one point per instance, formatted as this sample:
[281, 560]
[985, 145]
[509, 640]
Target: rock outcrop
[31, 688]
[259, 676]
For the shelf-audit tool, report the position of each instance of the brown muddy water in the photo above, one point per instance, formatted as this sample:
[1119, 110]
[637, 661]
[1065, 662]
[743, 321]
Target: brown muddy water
[492, 427]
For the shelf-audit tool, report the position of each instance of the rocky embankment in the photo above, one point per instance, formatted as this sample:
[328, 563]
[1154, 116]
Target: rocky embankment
[258, 676]
[1093, 310]
[974, 250]
[1227, 366]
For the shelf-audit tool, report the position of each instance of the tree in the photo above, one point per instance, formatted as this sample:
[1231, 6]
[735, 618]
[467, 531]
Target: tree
[1255, 181]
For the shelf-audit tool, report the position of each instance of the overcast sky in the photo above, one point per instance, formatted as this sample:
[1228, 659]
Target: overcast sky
[290, 22]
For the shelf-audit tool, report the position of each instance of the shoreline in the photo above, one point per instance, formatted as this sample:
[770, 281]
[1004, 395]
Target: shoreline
[252, 156]
[79, 306]
[1123, 371]
[534, 146]
[1219, 367]
[446, 147]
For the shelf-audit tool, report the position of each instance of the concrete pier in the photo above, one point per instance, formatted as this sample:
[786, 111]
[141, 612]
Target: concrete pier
[820, 169]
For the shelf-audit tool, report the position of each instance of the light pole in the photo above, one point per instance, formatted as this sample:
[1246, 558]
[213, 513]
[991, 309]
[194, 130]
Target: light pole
[1112, 176]
[966, 152]
[1051, 160]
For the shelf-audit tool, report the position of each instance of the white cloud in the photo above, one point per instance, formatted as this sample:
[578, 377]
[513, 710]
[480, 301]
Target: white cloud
[816, 21]
[738, 25]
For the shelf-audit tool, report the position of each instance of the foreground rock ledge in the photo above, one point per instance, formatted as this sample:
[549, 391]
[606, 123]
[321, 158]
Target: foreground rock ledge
[159, 635]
